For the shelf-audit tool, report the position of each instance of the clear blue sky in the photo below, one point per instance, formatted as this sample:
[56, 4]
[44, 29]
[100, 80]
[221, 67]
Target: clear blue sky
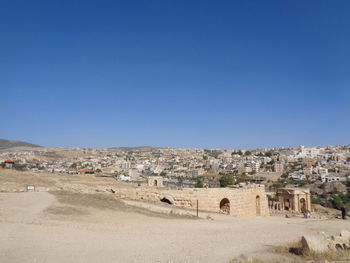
[226, 74]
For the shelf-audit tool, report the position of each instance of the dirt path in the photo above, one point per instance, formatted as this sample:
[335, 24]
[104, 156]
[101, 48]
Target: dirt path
[41, 227]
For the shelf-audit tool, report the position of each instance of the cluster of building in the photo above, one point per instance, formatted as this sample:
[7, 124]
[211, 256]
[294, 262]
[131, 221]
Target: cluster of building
[200, 168]
[186, 167]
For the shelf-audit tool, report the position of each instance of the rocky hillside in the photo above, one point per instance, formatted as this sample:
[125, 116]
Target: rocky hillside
[6, 144]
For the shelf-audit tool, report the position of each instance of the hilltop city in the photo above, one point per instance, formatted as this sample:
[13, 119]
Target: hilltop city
[314, 167]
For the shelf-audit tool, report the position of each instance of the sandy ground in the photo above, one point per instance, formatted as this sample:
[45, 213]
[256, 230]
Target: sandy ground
[76, 227]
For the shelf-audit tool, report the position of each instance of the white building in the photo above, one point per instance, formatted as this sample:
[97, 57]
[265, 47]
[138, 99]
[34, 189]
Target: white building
[297, 176]
[310, 152]
[254, 165]
[124, 178]
[327, 178]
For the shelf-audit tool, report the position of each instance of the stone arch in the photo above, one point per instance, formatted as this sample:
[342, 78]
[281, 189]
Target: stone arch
[257, 205]
[225, 206]
[166, 200]
[155, 182]
[302, 204]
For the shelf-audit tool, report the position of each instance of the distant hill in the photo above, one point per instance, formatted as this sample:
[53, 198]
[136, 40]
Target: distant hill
[133, 149]
[5, 144]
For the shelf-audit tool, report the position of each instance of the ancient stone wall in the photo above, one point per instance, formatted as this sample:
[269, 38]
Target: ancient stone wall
[245, 201]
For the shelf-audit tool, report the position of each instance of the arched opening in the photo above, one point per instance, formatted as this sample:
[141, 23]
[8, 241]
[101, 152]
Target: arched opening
[302, 205]
[257, 205]
[155, 183]
[286, 204]
[225, 206]
[166, 200]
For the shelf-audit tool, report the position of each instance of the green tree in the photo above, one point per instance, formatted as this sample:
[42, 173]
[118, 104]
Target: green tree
[284, 175]
[226, 180]
[272, 198]
[336, 201]
[162, 174]
[316, 200]
[248, 153]
[278, 185]
[2, 165]
[98, 171]
[199, 183]
[308, 179]
[268, 154]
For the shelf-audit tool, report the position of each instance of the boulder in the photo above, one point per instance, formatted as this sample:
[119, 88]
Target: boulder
[322, 243]
[315, 243]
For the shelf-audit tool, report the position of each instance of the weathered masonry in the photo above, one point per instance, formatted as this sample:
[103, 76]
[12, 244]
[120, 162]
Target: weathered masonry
[294, 199]
[242, 201]
[155, 181]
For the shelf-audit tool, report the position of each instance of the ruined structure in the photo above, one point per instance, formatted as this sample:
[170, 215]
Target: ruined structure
[322, 243]
[292, 199]
[156, 181]
[240, 201]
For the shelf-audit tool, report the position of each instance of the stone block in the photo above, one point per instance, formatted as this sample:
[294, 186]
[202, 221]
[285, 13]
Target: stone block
[315, 243]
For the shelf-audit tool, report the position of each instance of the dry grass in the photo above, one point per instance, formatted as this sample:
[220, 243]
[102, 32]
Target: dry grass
[292, 253]
[339, 255]
[75, 203]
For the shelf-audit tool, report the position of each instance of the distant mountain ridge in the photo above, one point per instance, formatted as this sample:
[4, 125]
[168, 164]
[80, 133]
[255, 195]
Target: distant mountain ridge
[136, 148]
[6, 144]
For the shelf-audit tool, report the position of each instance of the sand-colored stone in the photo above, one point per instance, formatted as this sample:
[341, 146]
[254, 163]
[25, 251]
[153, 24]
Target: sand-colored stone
[243, 201]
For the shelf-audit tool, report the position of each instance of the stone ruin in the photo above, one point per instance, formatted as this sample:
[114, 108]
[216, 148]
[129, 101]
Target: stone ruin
[156, 181]
[291, 199]
[241, 201]
[322, 243]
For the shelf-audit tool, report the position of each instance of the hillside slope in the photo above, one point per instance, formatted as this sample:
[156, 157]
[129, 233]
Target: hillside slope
[5, 144]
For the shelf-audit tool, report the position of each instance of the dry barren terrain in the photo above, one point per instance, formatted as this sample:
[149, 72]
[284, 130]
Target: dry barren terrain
[77, 226]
